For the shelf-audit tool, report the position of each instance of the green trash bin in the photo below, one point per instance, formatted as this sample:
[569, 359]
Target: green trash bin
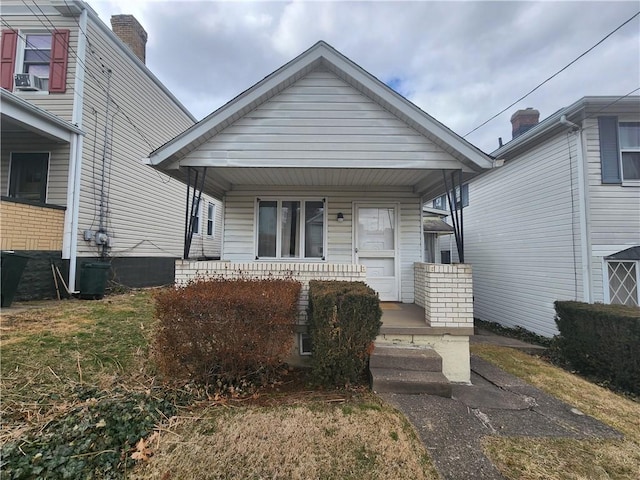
[12, 266]
[93, 280]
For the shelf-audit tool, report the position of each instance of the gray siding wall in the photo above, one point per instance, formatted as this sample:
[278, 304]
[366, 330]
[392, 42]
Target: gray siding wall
[145, 208]
[239, 227]
[614, 210]
[522, 237]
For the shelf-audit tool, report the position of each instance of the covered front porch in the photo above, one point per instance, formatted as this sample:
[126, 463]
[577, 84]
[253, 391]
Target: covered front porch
[441, 318]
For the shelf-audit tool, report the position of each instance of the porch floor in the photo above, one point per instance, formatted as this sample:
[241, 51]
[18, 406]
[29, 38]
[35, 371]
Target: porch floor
[409, 319]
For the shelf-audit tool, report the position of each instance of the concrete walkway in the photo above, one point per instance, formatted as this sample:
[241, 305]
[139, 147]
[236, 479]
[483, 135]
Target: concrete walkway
[495, 404]
[487, 337]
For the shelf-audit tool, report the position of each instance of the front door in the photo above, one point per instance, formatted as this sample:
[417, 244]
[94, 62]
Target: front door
[376, 240]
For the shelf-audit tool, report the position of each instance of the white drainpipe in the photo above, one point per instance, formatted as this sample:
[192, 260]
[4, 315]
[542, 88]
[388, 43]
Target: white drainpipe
[70, 241]
[585, 241]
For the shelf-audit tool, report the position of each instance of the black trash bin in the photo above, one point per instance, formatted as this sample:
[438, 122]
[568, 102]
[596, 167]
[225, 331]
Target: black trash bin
[12, 266]
[93, 280]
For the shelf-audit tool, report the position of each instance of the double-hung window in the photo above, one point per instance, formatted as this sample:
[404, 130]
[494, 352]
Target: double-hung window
[291, 228]
[211, 219]
[42, 55]
[37, 57]
[630, 150]
[196, 217]
[619, 151]
[28, 176]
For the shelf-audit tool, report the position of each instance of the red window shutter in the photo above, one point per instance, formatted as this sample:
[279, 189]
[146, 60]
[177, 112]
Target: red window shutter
[8, 58]
[58, 65]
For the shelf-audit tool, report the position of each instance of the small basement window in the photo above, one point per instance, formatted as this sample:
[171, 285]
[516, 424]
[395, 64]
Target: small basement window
[305, 344]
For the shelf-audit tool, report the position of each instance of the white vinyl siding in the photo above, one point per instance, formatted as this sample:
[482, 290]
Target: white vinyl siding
[614, 210]
[522, 237]
[145, 208]
[320, 117]
[239, 227]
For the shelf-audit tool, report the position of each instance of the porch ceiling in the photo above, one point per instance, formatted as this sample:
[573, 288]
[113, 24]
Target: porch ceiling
[219, 180]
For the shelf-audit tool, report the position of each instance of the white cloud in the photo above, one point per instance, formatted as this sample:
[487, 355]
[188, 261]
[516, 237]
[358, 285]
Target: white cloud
[461, 62]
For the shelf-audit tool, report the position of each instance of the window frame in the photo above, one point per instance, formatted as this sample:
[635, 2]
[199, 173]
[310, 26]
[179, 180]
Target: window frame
[622, 150]
[211, 219]
[301, 342]
[607, 279]
[462, 199]
[21, 47]
[301, 229]
[44, 189]
[198, 218]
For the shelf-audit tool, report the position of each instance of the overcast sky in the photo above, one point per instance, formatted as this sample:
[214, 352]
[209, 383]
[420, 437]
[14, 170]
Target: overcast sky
[461, 62]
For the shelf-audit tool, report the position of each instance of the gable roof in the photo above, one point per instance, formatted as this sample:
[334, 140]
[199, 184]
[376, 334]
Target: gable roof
[576, 112]
[321, 54]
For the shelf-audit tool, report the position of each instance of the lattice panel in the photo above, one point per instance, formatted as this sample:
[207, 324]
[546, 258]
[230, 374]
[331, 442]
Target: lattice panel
[623, 283]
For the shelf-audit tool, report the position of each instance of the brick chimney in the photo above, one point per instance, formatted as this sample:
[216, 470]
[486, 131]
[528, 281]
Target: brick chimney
[129, 30]
[523, 120]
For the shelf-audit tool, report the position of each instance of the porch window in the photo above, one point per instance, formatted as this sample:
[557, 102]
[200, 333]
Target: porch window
[623, 282]
[28, 177]
[292, 228]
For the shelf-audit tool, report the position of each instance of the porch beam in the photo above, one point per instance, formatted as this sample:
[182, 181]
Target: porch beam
[292, 160]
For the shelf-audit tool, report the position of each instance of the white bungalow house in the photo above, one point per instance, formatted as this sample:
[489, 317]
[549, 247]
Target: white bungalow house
[323, 170]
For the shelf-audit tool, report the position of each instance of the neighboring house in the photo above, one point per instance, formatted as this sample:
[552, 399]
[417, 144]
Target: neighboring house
[560, 219]
[435, 229]
[323, 171]
[79, 111]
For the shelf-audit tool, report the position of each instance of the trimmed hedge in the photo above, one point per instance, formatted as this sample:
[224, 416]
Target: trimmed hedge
[601, 340]
[344, 320]
[229, 332]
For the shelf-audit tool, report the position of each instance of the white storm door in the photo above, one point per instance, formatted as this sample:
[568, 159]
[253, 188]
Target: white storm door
[376, 240]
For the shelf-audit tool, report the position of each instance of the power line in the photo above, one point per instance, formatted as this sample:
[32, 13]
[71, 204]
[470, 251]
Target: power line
[552, 76]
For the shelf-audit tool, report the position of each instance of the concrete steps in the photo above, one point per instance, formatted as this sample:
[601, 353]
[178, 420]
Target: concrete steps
[408, 370]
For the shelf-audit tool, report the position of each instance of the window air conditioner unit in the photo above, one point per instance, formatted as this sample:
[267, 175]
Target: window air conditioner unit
[28, 82]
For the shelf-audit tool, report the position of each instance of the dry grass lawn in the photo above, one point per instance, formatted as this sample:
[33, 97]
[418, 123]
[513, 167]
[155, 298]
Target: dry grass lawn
[288, 431]
[550, 459]
[312, 440]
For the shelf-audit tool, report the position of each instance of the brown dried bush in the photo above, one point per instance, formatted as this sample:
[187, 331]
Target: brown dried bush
[229, 332]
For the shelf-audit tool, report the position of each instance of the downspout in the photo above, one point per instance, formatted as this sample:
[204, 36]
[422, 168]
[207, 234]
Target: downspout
[70, 240]
[583, 214]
